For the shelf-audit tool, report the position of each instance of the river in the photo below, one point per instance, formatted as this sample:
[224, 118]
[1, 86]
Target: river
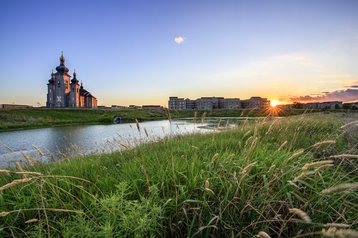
[50, 144]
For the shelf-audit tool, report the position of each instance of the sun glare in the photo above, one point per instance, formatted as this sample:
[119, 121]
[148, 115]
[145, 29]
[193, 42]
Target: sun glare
[274, 103]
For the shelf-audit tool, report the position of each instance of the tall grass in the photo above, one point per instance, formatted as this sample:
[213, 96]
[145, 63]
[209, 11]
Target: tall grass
[295, 177]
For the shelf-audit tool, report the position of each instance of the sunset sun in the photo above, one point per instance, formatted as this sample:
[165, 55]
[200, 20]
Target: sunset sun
[274, 103]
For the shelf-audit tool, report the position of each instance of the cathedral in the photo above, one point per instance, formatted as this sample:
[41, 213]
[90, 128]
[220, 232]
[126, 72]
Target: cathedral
[66, 92]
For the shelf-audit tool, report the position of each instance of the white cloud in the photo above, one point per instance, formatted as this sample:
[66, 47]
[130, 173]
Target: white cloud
[179, 39]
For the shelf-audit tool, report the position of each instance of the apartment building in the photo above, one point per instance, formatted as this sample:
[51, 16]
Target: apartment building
[324, 105]
[212, 103]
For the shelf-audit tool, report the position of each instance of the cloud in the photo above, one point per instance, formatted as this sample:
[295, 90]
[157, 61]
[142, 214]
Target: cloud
[352, 85]
[346, 95]
[179, 39]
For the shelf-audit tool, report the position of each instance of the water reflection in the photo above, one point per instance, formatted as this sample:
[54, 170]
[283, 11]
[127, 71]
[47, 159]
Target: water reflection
[80, 140]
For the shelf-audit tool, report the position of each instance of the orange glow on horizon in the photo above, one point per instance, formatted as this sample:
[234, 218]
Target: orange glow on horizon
[276, 102]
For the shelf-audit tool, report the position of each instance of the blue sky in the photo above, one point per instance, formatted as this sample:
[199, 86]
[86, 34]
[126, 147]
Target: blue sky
[125, 51]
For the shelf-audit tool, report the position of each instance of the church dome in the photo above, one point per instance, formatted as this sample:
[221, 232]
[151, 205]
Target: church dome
[62, 68]
[52, 79]
[74, 79]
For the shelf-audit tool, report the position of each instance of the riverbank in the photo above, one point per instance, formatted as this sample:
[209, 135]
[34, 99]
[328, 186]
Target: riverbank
[276, 176]
[17, 119]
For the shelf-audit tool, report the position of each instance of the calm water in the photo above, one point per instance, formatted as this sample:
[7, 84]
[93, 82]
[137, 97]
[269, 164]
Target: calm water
[71, 141]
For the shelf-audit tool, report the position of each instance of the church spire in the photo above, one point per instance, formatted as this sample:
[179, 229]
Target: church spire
[62, 58]
[74, 79]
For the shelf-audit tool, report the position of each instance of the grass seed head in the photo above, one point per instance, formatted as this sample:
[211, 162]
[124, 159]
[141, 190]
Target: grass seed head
[215, 157]
[137, 124]
[337, 225]
[15, 182]
[38, 150]
[207, 184]
[32, 220]
[298, 153]
[263, 234]
[4, 214]
[301, 214]
[341, 233]
[341, 188]
[318, 163]
[323, 167]
[4, 171]
[247, 168]
[353, 123]
[253, 143]
[124, 145]
[282, 145]
[19, 167]
[302, 175]
[146, 132]
[343, 156]
[27, 158]
[324, 143]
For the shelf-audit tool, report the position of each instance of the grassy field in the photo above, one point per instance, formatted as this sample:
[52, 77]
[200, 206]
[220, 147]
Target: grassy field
[294, 177]
[16, 119]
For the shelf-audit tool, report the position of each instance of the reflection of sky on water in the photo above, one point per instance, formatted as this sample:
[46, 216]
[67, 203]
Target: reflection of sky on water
[79, 140]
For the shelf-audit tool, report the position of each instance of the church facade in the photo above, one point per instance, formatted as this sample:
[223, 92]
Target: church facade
[62, 91]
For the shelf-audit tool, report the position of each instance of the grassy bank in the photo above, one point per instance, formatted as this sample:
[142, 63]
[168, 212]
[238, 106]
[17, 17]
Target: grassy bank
[277, 177]
[36, 118]
[16, 119]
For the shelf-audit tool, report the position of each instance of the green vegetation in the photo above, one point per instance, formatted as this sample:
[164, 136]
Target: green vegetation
[273, 176]
[35, 118]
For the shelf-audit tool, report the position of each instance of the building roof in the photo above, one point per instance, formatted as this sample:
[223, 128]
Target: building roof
[62, 68]
[74, 79]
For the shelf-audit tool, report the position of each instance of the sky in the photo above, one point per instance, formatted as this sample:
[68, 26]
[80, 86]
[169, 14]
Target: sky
[143, 51]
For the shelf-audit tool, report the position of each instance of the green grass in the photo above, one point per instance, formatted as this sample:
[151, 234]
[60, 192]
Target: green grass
[35, 118]
[15, 119]
[233, 183]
